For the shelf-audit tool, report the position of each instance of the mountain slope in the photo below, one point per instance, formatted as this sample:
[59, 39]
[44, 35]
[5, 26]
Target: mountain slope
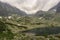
[6, 9]
[56, 8]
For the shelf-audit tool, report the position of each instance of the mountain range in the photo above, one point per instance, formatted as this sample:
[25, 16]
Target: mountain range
[31, 7]
[24, 7]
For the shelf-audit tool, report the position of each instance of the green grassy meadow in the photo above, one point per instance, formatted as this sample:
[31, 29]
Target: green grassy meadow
[29, 28]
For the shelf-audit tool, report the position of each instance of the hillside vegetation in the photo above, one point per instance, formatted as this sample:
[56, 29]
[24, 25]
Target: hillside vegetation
[17, 27]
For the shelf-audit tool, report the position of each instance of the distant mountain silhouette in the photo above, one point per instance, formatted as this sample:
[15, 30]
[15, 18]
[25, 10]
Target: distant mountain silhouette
[57, 8]
[39, 13]
[6, 10]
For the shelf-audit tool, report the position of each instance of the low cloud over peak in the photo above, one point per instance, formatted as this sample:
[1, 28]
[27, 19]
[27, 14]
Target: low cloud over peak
[32, 6]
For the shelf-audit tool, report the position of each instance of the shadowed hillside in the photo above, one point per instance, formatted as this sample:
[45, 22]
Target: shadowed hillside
[57, 8]
[44, 31]
[6, 9]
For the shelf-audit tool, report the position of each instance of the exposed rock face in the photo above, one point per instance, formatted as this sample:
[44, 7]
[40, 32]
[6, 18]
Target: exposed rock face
[6, 9]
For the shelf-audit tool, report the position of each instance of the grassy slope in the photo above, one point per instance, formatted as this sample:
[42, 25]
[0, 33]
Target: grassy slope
[29, 28]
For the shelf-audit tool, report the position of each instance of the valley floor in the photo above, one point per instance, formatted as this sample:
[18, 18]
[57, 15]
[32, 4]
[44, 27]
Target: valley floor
[29, 28]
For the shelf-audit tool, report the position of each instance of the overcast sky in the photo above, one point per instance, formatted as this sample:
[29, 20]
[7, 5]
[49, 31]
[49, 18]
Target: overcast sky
[31, 6]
